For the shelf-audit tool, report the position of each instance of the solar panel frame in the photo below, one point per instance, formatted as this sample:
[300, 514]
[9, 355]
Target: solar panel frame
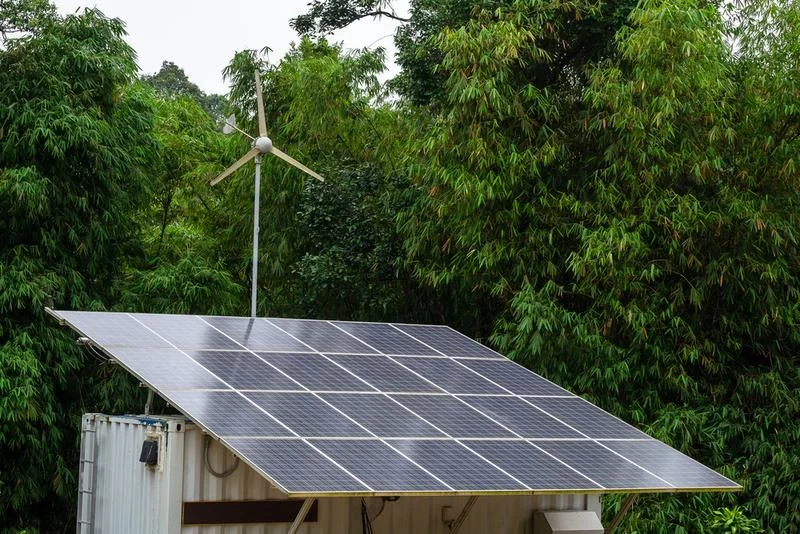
[475, 444]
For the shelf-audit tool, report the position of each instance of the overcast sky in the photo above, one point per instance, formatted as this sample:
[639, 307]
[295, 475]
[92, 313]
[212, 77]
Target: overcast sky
[201, 36]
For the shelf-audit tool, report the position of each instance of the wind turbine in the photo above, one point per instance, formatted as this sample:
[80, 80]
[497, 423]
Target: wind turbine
[260, 145]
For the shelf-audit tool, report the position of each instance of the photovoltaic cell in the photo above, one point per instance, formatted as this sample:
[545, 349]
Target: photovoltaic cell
[450, 376]
[674, 467]
[226, 413]
[530, 465]
[382, 416]
[521, 417]
[167, 369]
[453, 417]
[602, 465]
[386, 339]
[315, 372]
[186, 331]
[243, 370]
[448, 341]
[384, 374]
[378, 466]
[297, 467]
[514, 377]
[113, 330]
[257, 334]
[587, 418]
[457, 466]
[276, 364]
[322, 336]
[307, 415]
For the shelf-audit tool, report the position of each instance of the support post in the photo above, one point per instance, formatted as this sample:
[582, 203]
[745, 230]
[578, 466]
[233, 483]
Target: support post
[301, 515]
[457, 524]
[626, 505]
[256, 210]
[149, 404]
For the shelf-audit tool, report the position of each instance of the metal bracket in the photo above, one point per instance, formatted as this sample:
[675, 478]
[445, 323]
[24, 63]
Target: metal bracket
[149, 404]
[301, 515]
[456, 525]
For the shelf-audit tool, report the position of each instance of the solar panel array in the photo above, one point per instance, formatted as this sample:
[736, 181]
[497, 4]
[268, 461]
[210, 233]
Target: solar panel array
[329, 408]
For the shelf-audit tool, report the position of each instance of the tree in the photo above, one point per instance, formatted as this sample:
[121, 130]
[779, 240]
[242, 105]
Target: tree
[23, 17]
[177, 267]
[74, 138]
[633, 225]
[325, 16]
[171, 82]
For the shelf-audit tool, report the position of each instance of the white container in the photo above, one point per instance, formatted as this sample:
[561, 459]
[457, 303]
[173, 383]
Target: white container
[118, 494]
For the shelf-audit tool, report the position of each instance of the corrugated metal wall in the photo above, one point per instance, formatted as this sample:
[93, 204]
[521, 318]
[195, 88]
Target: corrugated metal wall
[130, 498]
[119, 494]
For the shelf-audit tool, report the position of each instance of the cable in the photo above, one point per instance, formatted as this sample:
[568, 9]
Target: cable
[211, 470]
[366, 524]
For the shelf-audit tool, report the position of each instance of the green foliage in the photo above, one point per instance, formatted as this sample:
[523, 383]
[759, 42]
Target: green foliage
[732, 521]
[606, 191]
[325, 16]
[19, 18]
[171, 82]
[635, 237]
[74, 139]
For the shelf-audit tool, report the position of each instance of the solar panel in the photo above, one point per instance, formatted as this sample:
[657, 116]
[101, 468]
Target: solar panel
[384, 373]
[669, 464]
[307, 414]
[382, 416]
[322, 336]
[186, 332]
[386, 338]
[452, 416]
[227, 413]
[603, 465]
[458, 466]
[448, 342]
[535, 468]
[379, 466]
[515, 378]
[166, 368]
[243, 370]
[587, 418]
[322, 408]
[450, 375]
[315, 372]
[300, 468]
[257, 334]
[521, 418]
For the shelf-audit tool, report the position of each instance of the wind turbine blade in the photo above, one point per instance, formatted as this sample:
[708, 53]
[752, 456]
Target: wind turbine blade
[262, 122]
[236, 166]
[291, 161]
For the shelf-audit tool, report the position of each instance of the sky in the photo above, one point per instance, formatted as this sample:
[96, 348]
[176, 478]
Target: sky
[201, 36]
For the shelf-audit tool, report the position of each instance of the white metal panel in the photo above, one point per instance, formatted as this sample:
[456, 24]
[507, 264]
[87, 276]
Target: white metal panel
[127, 496]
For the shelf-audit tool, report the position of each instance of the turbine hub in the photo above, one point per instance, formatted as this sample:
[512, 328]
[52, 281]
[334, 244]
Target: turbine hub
[263, 144]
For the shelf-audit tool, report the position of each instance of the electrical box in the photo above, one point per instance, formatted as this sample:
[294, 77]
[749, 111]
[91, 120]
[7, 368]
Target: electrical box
[566, 522]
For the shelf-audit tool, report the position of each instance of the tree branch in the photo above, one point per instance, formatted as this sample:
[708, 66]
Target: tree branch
[381, 13]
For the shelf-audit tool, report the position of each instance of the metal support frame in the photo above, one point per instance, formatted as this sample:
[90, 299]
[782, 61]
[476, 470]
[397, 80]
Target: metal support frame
[626, 505]
[256, 210]
[148, 405]
[462, 517]
[301, 515]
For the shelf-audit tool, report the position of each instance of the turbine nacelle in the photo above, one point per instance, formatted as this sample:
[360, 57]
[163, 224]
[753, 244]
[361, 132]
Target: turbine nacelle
[263, 144]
